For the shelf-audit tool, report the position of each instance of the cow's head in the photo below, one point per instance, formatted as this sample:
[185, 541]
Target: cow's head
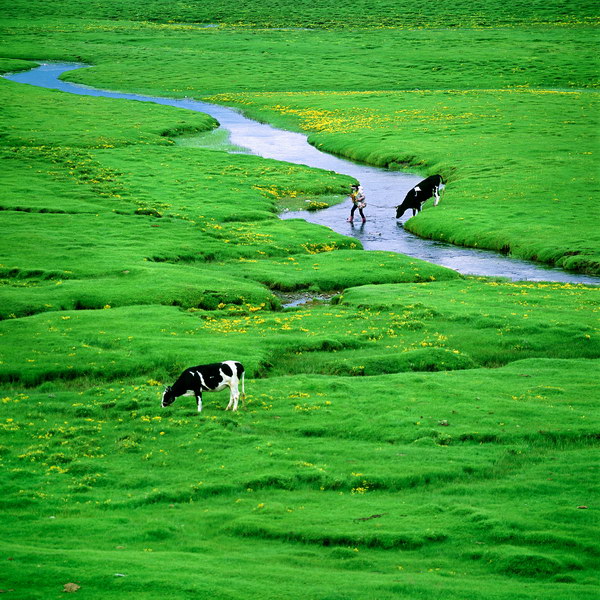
[168, 397]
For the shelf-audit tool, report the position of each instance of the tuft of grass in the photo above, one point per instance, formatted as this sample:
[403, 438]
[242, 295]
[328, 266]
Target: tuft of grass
[39, 118]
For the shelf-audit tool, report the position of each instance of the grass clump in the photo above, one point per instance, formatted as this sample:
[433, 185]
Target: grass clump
[336, 270]
[39, 118]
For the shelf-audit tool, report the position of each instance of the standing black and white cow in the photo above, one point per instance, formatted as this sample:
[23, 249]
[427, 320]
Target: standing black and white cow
[422, 191]
[208, 378]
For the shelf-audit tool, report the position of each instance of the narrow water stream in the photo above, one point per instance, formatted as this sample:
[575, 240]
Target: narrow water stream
[384, 189]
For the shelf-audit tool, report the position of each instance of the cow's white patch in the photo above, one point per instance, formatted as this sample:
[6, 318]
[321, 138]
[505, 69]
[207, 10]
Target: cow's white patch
[202, 380]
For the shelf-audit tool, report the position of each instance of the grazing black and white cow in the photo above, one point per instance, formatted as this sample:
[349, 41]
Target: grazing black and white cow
[422, 191]
[207, 378]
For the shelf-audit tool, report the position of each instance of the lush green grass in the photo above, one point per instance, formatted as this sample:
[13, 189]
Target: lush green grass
[498, 110]
[376, 329]
[415, 484]
[425, 436]
[521, 163]
[51, 118]
[304, 13]
[179, 62]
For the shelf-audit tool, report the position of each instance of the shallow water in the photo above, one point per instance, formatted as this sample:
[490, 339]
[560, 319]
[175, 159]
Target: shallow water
[384, 189]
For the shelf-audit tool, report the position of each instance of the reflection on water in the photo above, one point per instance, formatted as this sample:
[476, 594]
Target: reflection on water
[384, 189]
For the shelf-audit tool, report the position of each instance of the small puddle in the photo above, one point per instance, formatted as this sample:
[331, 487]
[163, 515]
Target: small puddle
[295, 299]
[384, 189]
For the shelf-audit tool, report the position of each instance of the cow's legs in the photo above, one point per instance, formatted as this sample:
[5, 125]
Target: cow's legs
[198, 395]
[437, 196]
[233, 397]
[243, 391]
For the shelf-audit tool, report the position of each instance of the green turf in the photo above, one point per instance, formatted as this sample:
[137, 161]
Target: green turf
[424, 435]
[496, 109]
[415, 484]
[278, 13]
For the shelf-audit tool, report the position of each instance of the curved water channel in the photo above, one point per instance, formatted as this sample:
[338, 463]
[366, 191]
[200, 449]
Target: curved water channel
[384, 189]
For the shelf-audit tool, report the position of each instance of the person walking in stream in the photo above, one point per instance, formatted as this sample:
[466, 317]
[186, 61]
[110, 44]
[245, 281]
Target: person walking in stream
[357, 196]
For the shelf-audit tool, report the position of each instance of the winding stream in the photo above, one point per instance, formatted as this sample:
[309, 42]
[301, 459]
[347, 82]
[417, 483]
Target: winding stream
[384, 189]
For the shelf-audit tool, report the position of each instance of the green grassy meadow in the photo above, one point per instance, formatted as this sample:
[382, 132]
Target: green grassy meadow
[423, 435]
[505, 110]
[522, 177]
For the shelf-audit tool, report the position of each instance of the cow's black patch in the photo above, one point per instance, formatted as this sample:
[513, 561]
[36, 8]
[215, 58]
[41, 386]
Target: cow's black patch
[226, 370]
